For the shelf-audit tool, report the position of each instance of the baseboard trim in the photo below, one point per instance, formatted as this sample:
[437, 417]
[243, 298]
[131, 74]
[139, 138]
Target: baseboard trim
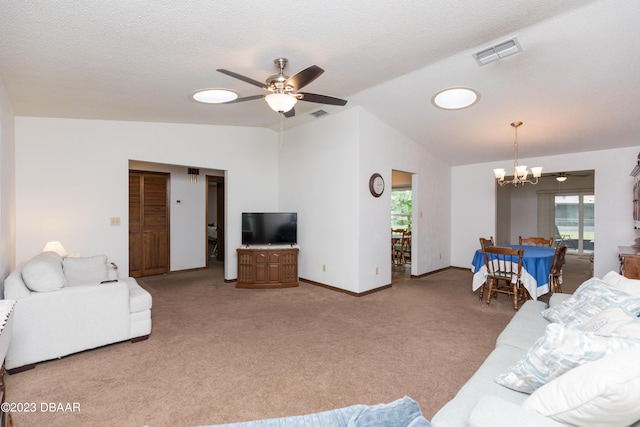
[344, 291]
[21, 369]
[436, 271]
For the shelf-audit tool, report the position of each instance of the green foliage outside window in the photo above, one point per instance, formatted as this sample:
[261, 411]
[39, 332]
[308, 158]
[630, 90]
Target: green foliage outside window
[401, 209]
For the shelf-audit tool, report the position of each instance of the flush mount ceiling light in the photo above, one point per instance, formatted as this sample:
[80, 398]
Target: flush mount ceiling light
[214, 96]
[520, 173]
[455, 98]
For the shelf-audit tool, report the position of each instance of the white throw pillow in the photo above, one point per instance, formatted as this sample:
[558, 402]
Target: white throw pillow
[609, 319]
[589, 299]
[630, 286]
[601, 393]
[85, 270]
[559, 350]
[43, 272]
[629, 329]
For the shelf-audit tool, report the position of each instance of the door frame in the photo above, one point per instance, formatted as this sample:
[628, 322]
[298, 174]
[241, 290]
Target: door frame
[220, 216]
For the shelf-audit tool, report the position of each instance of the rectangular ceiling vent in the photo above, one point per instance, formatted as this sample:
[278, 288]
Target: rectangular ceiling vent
[319, 113]
[498, 51]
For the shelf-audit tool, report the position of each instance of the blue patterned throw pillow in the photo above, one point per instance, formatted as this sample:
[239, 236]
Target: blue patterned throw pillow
[559, 350]
[403, 412]
[589, 299]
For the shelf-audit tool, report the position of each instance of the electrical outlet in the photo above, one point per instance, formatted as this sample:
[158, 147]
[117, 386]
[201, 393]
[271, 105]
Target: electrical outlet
[114, 221]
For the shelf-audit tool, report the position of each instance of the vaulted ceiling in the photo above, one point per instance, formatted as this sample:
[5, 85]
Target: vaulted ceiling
[574, 85]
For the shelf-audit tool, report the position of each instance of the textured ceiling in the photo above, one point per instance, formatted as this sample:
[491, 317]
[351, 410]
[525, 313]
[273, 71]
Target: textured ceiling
[573, 85]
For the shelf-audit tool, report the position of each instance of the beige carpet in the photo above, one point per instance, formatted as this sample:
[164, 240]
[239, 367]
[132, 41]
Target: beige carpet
[220, 354]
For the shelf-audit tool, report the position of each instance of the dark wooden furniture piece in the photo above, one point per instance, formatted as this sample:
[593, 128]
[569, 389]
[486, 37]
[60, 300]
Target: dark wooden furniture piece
[555, 275]
[267, 268]
[504, 267]
[483, 244]
[629, 261]
[535, 241]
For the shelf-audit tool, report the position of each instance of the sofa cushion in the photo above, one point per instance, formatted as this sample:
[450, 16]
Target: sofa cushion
[558, 351]
[139, 298]
[492, 411]
[601, 393]
[43, 272]
[618, 281]
[401, 413]
[590, 298]
[526, 326]
[457, 411]
[85, 270]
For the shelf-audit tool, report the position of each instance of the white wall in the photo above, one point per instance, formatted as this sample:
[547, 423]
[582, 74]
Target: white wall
[325, 168]
[72, 176]
[473, 206]
[7, 187]
[318, 175]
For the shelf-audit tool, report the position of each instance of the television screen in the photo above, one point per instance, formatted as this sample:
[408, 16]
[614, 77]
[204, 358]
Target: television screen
[269, 228]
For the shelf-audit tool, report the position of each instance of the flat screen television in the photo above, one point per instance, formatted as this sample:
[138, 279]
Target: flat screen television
[269, 228]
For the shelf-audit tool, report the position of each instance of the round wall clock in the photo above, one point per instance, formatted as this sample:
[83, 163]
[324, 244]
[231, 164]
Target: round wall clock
[376, 185]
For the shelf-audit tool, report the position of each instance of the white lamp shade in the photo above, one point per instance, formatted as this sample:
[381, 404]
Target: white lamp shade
[500, 173]
[521, 170]
[55, 247]
[537, 172]
[281, 102]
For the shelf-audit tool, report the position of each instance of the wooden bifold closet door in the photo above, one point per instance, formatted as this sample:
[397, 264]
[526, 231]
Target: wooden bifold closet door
[148, 223]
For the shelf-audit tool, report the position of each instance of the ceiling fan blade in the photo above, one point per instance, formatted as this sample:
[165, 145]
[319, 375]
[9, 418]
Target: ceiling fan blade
[321, 99]
[290, 113]
[246, 98]
[241, 77]
[304, 77]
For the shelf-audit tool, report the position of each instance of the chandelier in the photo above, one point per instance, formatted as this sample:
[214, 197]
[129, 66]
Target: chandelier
[520, 172]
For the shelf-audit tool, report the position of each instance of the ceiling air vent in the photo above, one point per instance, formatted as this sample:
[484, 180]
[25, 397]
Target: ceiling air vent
[498, 51]
[319, 113]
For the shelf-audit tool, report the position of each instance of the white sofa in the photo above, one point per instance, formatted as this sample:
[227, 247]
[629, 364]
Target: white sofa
[581, 371]
[67, 306]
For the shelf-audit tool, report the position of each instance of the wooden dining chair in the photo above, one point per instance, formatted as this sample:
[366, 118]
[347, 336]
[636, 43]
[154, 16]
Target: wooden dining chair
[535, 241]
[504, 268]
[397, 242]
[486, 242]
[483, 244]
[555, 276]
[406, 246]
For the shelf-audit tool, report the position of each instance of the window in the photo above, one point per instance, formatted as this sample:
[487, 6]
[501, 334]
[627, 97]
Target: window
[574, 220]
[401, 209]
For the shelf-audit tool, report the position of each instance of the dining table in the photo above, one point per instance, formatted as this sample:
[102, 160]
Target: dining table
[536, 265]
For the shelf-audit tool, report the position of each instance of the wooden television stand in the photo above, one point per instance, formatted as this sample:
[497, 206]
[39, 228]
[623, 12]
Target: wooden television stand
[267, 267]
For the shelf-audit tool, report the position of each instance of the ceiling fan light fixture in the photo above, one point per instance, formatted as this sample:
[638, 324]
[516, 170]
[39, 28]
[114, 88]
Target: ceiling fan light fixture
[561, 177]
[214, 96]
[281, 102]
[455, 98]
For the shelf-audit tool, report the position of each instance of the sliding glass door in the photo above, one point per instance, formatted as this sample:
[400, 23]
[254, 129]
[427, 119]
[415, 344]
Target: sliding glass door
[574, 222]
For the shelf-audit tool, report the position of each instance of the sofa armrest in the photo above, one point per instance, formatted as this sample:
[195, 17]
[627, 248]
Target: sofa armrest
[492, 411]
[48, 325]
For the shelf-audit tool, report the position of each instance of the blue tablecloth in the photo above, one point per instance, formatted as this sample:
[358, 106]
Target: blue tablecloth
[536, 265]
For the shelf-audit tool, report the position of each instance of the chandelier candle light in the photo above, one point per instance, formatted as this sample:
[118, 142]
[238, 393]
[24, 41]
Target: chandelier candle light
[520, 173]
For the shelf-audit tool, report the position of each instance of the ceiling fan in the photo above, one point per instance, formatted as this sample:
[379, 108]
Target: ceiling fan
[562, 176]
[284, 90]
